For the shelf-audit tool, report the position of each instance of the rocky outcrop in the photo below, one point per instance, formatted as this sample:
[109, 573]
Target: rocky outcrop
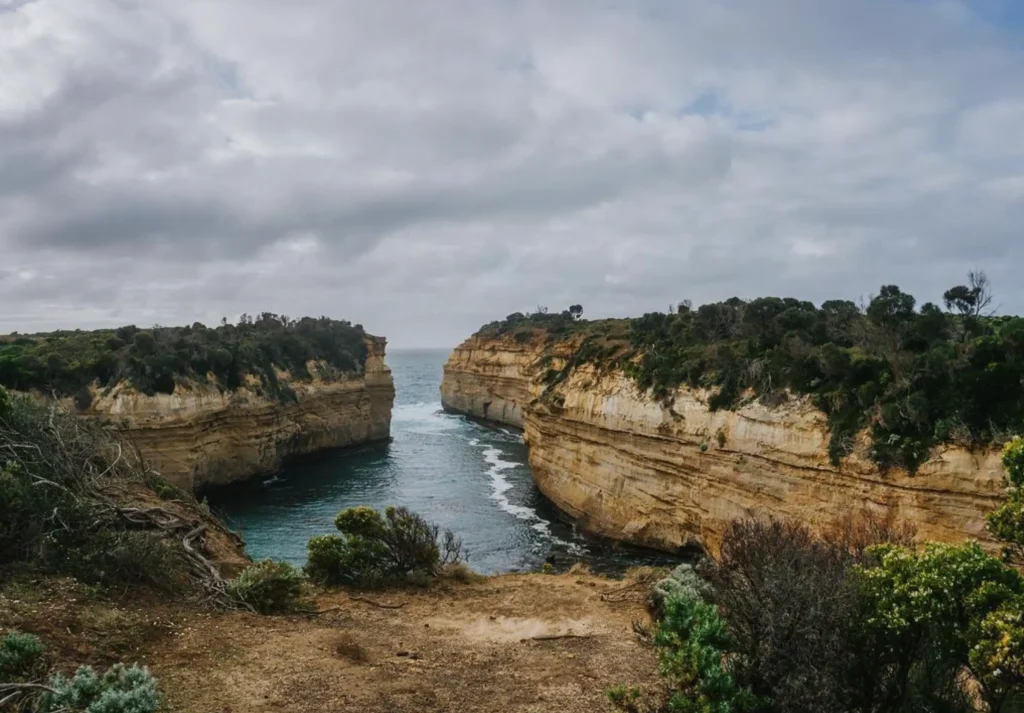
[200, 436]
[627, 467]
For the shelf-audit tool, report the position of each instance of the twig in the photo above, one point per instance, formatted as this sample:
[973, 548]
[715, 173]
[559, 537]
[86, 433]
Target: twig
[318, 612]
[377, 604]
[606, 597]
[13, 690]
[5, 687]
[555, 637]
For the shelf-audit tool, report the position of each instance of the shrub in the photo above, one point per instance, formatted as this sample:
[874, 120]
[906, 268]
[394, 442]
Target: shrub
[122, 689]
[1007, 522]
[268, 587]
[921, 616]
[373, 549]
[788, 606]
[692, 642]
[68, 491]
[20, 655]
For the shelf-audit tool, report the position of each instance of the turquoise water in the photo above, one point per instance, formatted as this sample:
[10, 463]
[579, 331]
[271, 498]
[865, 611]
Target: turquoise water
[465, 476]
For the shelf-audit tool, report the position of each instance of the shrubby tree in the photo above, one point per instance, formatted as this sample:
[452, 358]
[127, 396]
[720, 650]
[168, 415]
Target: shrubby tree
[374, 549]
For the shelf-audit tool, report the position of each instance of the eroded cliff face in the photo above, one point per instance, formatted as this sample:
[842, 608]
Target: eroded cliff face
[199, 436]
[627, 467]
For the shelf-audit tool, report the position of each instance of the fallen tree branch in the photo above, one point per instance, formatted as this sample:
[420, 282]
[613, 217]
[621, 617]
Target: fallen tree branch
[376, 604]
[14, 690]
[555, 637]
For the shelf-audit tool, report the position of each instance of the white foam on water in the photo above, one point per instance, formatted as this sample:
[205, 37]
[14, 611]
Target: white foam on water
[500, 485]
[423, 417]
[518, 437]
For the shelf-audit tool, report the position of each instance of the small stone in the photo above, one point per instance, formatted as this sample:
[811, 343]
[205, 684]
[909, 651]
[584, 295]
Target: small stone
[402, 653]
[414, 656]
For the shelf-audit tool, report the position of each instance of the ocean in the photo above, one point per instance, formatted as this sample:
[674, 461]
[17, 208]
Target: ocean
[465, 476]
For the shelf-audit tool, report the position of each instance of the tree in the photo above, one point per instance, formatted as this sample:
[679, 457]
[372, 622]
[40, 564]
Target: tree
[970, 301]
[576, 311]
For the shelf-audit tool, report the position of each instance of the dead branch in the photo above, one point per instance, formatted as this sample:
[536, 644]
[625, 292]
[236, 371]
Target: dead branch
[555, 637]
[15, 690]
[643, 632]
[379, 605]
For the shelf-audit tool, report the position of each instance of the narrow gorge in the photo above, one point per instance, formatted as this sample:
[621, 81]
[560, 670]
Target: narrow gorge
[624, 464]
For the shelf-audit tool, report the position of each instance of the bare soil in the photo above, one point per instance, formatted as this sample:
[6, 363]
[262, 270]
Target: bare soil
[515, 643]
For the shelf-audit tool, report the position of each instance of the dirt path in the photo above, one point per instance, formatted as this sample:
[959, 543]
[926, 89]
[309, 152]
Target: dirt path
[461, 648]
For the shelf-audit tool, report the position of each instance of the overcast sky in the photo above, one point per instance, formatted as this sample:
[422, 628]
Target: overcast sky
[425, 167]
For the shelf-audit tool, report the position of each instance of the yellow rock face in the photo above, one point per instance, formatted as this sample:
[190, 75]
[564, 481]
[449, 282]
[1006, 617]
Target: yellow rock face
[629, 468]
[199, 436]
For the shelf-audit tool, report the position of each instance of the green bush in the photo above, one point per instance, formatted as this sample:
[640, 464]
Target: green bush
[122, 689]
[375, 549]
[20, 655]
[268, 587]
[692, 641]
[926, 616]
[1007, 523]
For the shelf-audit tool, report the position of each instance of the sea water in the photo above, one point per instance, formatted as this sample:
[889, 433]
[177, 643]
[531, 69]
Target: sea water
[465, 476]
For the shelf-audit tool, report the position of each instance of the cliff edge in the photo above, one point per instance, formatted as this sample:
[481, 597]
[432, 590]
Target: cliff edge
[625, 465]
[201, 436]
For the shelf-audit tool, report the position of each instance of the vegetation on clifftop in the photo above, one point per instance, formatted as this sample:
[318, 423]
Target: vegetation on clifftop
[154, 360]
[915, 377]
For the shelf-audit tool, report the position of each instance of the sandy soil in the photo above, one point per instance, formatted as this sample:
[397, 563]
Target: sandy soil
[455, 647]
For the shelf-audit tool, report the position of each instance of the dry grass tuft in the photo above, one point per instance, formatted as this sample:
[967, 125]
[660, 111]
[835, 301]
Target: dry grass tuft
[348, 647]
[580, 569]
[461, 573]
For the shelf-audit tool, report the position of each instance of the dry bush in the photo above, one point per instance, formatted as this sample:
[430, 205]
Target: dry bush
[580, 569]
[784, 594]
[460, 572]
[855, 532]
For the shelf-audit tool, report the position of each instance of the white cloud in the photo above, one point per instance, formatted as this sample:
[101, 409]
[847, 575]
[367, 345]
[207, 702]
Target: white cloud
[422, 168]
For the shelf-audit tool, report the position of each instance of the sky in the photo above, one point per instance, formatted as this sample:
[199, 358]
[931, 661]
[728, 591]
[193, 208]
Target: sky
[423, 168]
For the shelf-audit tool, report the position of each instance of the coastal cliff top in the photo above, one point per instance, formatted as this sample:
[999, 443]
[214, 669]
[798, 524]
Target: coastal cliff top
[913, 378]
[255, 350]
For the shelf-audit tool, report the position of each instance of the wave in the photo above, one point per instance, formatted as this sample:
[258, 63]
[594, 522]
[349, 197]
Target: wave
[423, 417]
[500, 485]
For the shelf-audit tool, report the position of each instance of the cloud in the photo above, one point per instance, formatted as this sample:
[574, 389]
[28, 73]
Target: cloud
[422, 168]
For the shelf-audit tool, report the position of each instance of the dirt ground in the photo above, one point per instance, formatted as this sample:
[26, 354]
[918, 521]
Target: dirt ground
[484, 646]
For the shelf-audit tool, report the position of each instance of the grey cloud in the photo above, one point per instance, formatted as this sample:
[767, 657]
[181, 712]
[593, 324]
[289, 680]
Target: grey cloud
[423, 168]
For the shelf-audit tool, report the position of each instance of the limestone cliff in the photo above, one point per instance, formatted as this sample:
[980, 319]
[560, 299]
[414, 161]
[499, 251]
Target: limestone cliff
[627, 467]
[201, 436]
